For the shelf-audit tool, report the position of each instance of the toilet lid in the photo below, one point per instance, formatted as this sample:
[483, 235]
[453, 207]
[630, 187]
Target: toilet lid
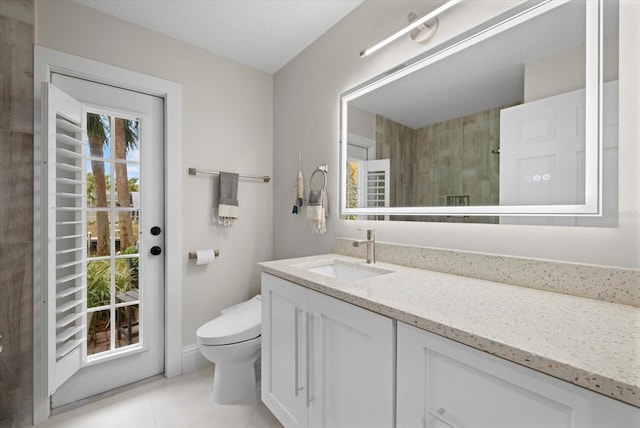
[237, 325]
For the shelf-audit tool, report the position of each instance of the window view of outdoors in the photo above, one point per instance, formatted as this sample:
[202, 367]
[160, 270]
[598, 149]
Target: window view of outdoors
[113, 185]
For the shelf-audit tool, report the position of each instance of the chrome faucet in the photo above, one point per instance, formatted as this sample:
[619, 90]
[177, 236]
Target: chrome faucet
[371, 245]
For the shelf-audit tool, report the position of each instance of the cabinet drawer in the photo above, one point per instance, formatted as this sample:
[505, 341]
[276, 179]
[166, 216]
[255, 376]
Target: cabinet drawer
[442, 383]
[468, 395]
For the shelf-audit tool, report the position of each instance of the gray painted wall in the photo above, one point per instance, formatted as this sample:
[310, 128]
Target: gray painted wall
[307, 119]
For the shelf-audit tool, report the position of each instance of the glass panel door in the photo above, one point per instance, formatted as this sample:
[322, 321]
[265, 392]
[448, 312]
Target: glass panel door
[123, 212]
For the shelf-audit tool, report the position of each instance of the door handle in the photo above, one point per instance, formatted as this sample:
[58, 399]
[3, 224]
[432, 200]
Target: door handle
[155, 250]
[310, 397]
[297, 386]
[439, 415]
[156, 230]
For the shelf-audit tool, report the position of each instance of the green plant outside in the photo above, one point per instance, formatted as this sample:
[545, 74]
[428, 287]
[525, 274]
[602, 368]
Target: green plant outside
[99, 288]
[132, 250]
[133, 263]
[352, 188]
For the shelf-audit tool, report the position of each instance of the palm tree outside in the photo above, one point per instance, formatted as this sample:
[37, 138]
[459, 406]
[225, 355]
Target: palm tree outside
[97, 126]
[111, 140]
[126, 139]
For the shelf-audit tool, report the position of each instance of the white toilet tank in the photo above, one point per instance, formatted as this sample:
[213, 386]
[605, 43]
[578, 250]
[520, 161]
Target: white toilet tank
[236, 324]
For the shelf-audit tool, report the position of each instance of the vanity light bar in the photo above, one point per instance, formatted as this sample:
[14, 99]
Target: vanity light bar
[414, 24]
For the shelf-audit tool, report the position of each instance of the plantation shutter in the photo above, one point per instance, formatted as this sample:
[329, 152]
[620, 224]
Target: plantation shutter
[373, 185]
[375, 174]
[65, 162]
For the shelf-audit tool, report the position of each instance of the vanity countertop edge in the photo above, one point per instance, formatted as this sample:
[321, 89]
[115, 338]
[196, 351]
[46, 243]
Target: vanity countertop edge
[587, 342]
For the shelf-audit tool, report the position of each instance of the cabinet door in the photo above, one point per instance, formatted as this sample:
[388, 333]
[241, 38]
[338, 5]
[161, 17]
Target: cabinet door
[351, 365]
[442, 383]
[283, 358]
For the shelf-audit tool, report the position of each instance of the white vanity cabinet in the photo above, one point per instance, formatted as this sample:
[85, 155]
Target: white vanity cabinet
[325, 363]
[442, 383]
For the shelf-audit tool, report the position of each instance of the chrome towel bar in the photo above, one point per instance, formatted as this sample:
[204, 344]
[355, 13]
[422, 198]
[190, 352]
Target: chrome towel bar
[194, 171]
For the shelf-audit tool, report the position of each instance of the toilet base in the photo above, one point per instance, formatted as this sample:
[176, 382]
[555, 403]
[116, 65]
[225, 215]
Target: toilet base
[234, 377]
[233, 382]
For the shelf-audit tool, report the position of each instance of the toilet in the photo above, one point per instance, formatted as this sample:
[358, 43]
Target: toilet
[232, 342]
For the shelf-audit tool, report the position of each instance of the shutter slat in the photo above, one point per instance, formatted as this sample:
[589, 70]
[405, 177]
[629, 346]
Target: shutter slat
[68, 126]
[68, 291]
[69, 264]
[64, 307]
[68, 333]
[70, 250]
[67, 167]
[69, 154]
[69, 195]
[63, 180]
[63, 322]
[65, 223]
[69, 278]
[69, 208]
[68, 347]
[65, 139]
[58, 238]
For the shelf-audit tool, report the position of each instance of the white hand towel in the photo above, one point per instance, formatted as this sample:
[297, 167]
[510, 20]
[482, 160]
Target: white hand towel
[318, 210]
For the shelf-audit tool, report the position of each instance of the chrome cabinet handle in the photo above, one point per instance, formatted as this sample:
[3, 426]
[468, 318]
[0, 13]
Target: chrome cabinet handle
[310, 397]
[297, 386]
[438, 414]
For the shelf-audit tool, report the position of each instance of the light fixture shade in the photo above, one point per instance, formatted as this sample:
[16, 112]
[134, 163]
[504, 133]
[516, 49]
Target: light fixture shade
[424, 32]
[412, 26]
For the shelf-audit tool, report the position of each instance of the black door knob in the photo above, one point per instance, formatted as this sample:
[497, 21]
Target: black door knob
[155, 230]
[155, 250]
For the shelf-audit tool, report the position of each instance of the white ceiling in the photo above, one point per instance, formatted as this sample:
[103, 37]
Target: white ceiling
[487, 75]
[264, 34]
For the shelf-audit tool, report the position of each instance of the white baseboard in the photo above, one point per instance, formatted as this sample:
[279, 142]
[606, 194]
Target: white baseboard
[192, 359]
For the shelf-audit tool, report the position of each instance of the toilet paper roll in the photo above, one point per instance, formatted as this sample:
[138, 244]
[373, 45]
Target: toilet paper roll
[204, 257]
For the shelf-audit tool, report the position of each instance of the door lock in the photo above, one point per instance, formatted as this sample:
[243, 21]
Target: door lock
[155, 250]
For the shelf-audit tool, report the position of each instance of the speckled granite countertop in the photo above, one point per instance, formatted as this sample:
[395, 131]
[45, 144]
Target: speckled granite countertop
[590, 343]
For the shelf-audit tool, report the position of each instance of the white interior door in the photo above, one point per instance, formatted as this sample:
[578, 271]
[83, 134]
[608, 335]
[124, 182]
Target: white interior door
[121, 257]
[543, 144]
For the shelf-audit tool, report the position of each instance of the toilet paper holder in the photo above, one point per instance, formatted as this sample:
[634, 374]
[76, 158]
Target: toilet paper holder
[192, 255]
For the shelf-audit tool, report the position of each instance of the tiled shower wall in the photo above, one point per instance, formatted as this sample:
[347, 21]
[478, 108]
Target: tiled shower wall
[16, 210]
[443, 162]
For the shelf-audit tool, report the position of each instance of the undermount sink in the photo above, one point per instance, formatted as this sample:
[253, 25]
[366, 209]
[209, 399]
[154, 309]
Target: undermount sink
[346, 271]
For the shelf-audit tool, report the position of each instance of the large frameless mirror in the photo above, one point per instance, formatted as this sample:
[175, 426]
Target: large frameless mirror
[515, 118]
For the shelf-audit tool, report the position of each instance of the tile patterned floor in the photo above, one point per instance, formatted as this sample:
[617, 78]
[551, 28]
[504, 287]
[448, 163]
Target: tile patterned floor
[181, 402]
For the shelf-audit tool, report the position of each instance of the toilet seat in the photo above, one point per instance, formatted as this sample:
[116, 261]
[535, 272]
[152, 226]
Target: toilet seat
[237, 324]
